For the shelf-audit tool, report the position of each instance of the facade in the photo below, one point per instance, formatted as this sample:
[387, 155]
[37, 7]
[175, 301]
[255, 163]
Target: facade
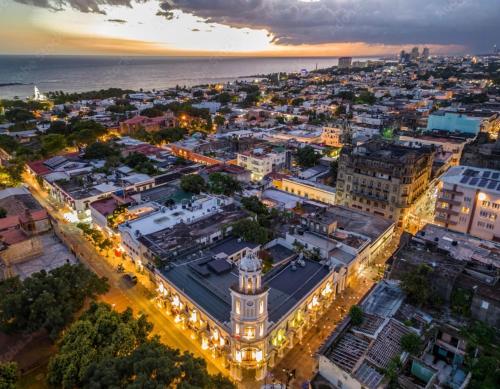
[332, 136]
[261, 163]
[149, 124]
[469, 202]
[384, 179]
[246, 318]
[308, 189]
[345, 62]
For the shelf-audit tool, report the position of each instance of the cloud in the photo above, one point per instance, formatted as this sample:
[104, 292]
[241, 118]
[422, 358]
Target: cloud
[472, 23]
[120, 21]
[86, 6]
[292, 22]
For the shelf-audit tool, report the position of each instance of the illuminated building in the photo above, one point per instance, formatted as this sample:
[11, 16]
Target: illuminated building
[469, 202]
[247, 319]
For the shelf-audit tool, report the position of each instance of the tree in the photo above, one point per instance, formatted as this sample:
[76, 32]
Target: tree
[152, 112]
[193, 183]
[53, 143]
[224, 98]
[8, 375]
[251, 231]
[219, 120]
[356, 315]
[307, 156]
[411, 343]
[253, 204]
[47, 300]
[168, 135]
[416, 285]
[105, 348]
[366, 97]
[3, 213]
[221, 183]
[100, 150]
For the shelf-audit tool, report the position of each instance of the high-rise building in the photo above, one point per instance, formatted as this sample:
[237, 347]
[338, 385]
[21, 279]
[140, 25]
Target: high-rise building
[345, 62]
[469, 202]
[426, 53]
[415, 53]
[384, 178]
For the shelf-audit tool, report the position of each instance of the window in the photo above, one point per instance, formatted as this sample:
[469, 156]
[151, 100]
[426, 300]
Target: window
[261, 307]
[465, 210]
[238, 307]
[249, 332]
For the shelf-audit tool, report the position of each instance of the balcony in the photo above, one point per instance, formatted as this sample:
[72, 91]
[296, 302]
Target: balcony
[448, 211]
[444, 220]
[452, 192]
[449, 201]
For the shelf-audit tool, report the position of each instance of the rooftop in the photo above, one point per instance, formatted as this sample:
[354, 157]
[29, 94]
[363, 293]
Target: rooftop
[486, 180]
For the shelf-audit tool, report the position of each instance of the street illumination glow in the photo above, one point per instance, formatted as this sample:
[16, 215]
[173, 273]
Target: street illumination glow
[481, 196]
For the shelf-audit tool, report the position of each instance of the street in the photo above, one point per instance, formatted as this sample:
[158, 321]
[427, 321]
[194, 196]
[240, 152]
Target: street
[122, 294]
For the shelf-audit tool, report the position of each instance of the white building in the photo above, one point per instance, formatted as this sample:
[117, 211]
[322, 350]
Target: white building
[469, 201]
[167, 217]
[261, 163]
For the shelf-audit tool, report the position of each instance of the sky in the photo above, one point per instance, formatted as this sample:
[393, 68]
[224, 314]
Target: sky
[247, 27]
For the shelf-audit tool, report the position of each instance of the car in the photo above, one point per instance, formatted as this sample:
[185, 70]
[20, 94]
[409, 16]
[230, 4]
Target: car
[131, 278]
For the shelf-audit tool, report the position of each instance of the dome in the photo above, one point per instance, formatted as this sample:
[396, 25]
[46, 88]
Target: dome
[250, 263]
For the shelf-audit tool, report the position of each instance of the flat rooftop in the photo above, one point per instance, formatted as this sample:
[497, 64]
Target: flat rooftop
[462, 247]
[200, 277]
[486, 180]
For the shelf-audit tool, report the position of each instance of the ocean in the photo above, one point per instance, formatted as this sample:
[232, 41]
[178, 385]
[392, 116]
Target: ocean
[84, 73]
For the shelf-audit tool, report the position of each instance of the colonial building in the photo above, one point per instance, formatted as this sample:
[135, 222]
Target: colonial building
[383, 178]
[247, 319]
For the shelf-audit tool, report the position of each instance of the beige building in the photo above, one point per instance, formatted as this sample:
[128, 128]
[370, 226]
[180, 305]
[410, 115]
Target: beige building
[383, 178]
[308, 189]
[331, 136]
[469, 202]
[454, 146]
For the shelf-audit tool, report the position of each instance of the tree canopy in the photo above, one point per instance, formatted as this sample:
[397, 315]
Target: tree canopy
[193, 183]
[8, 375]
[307, 156]
[105, 348]
[221, 183]
[47, 300]
[251, 231]
[253, 204]
[416, 285]
[356, 315]
[411, 343]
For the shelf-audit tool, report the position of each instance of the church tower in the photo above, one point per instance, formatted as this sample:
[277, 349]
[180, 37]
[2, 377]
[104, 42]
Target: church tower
[249, 319]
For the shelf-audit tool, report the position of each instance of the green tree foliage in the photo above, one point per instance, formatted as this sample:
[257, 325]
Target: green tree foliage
[224, 98]
[483, 355]
[307, 156]
[11, 173]
[253, 204]
[121, 108]
[193, 183]
[168, 135]
[219, 120]
[47, 300]
[366, 97]
[8, 375]
[411, 343]
[251, 231]
[105, 348]
[86, 132]
[19, 115]
[356, 315]
[152, 112]
[416, 285]
[220, 183]
[52, 144]
[140, 163]
[60, 97]
[8, 143]
[100, 150]
[3, 213]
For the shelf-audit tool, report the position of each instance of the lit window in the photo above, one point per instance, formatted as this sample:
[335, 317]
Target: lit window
[238, 307]
[261, 307]
[249, 332]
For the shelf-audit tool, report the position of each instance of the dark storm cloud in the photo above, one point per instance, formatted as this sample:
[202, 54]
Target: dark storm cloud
[87, 6]
[470, 22]
[473, 23]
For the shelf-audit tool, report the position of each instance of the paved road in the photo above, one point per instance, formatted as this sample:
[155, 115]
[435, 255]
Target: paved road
[302, 356]
[122, 294]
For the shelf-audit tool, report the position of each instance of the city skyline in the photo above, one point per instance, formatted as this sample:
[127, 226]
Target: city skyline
[244, 28]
